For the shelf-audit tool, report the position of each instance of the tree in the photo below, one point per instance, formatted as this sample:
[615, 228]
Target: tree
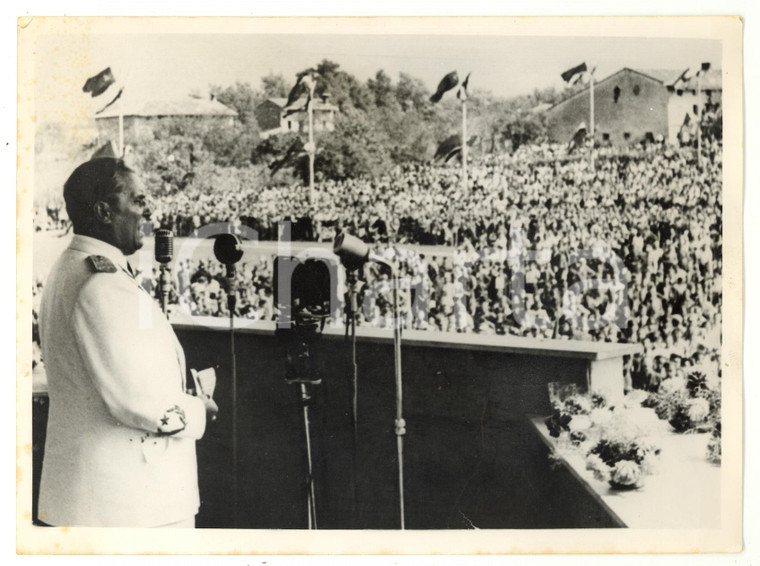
[344, 89]
[241, 97]
[274, 86]
[382, 90]
[411, 93]
[523, 128]
[356, 148]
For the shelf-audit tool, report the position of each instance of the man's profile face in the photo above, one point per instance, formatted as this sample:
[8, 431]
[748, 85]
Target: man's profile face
[127, 207]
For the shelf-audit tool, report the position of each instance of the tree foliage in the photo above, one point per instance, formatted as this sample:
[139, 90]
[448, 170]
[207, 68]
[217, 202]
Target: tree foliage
[381, 123]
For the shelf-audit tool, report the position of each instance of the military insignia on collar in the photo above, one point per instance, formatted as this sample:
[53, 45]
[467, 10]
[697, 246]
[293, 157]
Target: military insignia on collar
[101, 264]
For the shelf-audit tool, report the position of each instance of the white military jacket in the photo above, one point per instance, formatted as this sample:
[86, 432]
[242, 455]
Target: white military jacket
[121, 432]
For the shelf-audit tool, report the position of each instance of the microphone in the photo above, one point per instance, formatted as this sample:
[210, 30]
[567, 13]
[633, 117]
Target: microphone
[164, 246]
[164, 250]
[228, 249]
[353, 252]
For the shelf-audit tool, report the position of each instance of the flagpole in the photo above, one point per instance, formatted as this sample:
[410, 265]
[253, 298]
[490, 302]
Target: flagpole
[699, 120]
[121, 125]
[591, 118]
[312, 148]
[464, 144]
[121, 134]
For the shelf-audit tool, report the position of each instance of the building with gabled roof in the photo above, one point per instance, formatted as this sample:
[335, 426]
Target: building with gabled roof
[632, 104]
[140, 116]
[274, 116]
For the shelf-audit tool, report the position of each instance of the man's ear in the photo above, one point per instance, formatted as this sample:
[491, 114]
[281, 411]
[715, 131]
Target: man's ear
[102, 211]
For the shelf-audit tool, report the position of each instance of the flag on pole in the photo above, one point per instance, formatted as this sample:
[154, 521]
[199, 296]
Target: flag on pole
[568, 75]
[302, 88]
[579, 137]
[462, 92]
[451, 147]
[447, 83]
[115, 98]
[295, 150]
[98, 84]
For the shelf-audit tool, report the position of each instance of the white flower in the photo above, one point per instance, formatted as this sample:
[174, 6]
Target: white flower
[600, 417]
[698, 410]
[585, 404]
[636, 396]
[672, 385]
[580, 422]
[596, 465]
[626, 472]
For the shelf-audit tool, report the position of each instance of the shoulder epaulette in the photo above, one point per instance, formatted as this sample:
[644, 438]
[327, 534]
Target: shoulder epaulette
[101, 264]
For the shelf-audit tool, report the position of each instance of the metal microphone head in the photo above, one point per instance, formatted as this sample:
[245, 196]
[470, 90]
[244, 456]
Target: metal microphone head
[228, 249]
[353, 253]
[164, 246]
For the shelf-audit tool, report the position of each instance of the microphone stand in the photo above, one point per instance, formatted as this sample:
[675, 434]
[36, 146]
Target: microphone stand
[352, 308]
[354, 253]
[400, 423]
[163, 284]
[231, 304]
[228, 250]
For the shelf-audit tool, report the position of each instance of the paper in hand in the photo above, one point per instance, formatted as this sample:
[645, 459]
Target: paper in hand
[205, 381]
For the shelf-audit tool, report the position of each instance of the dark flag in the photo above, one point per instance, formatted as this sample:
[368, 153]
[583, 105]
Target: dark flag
[447, 83]
[451, 147]
[105, 150]
[578, 138]
[462, 92]
[678, 83]
[448, 148]
[295, 150]
[570, 73]
[302, 88]
[98, 84]
[115, 98]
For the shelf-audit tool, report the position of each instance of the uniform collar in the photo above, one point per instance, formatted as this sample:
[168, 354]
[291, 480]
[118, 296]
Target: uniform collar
[93, 246]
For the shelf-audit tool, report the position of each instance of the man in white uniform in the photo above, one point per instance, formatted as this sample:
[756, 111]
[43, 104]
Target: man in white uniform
[120, 447]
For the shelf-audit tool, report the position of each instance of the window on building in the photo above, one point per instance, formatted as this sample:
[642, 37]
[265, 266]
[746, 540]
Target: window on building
[636, 90]
[605, 137]
[616, 94]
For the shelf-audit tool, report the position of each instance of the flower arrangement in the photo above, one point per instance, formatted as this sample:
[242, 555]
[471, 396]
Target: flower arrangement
[575, 415]
[689, 404]
[615, 449]
[623, 463]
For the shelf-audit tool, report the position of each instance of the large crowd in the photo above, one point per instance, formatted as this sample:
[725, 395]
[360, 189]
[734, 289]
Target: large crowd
[629, 251]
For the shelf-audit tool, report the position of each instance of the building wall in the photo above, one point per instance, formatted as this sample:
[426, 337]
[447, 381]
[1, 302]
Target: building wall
[681, 104]
[136, 127]
[640, 107]
[268, 115]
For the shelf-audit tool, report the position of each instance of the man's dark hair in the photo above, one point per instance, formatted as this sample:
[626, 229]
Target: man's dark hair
[93, 181]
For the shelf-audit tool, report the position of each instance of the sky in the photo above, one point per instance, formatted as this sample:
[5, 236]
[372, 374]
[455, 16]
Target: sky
[161, 66]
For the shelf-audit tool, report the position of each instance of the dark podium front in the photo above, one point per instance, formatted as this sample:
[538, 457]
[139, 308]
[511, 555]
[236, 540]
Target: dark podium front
[471, 456]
